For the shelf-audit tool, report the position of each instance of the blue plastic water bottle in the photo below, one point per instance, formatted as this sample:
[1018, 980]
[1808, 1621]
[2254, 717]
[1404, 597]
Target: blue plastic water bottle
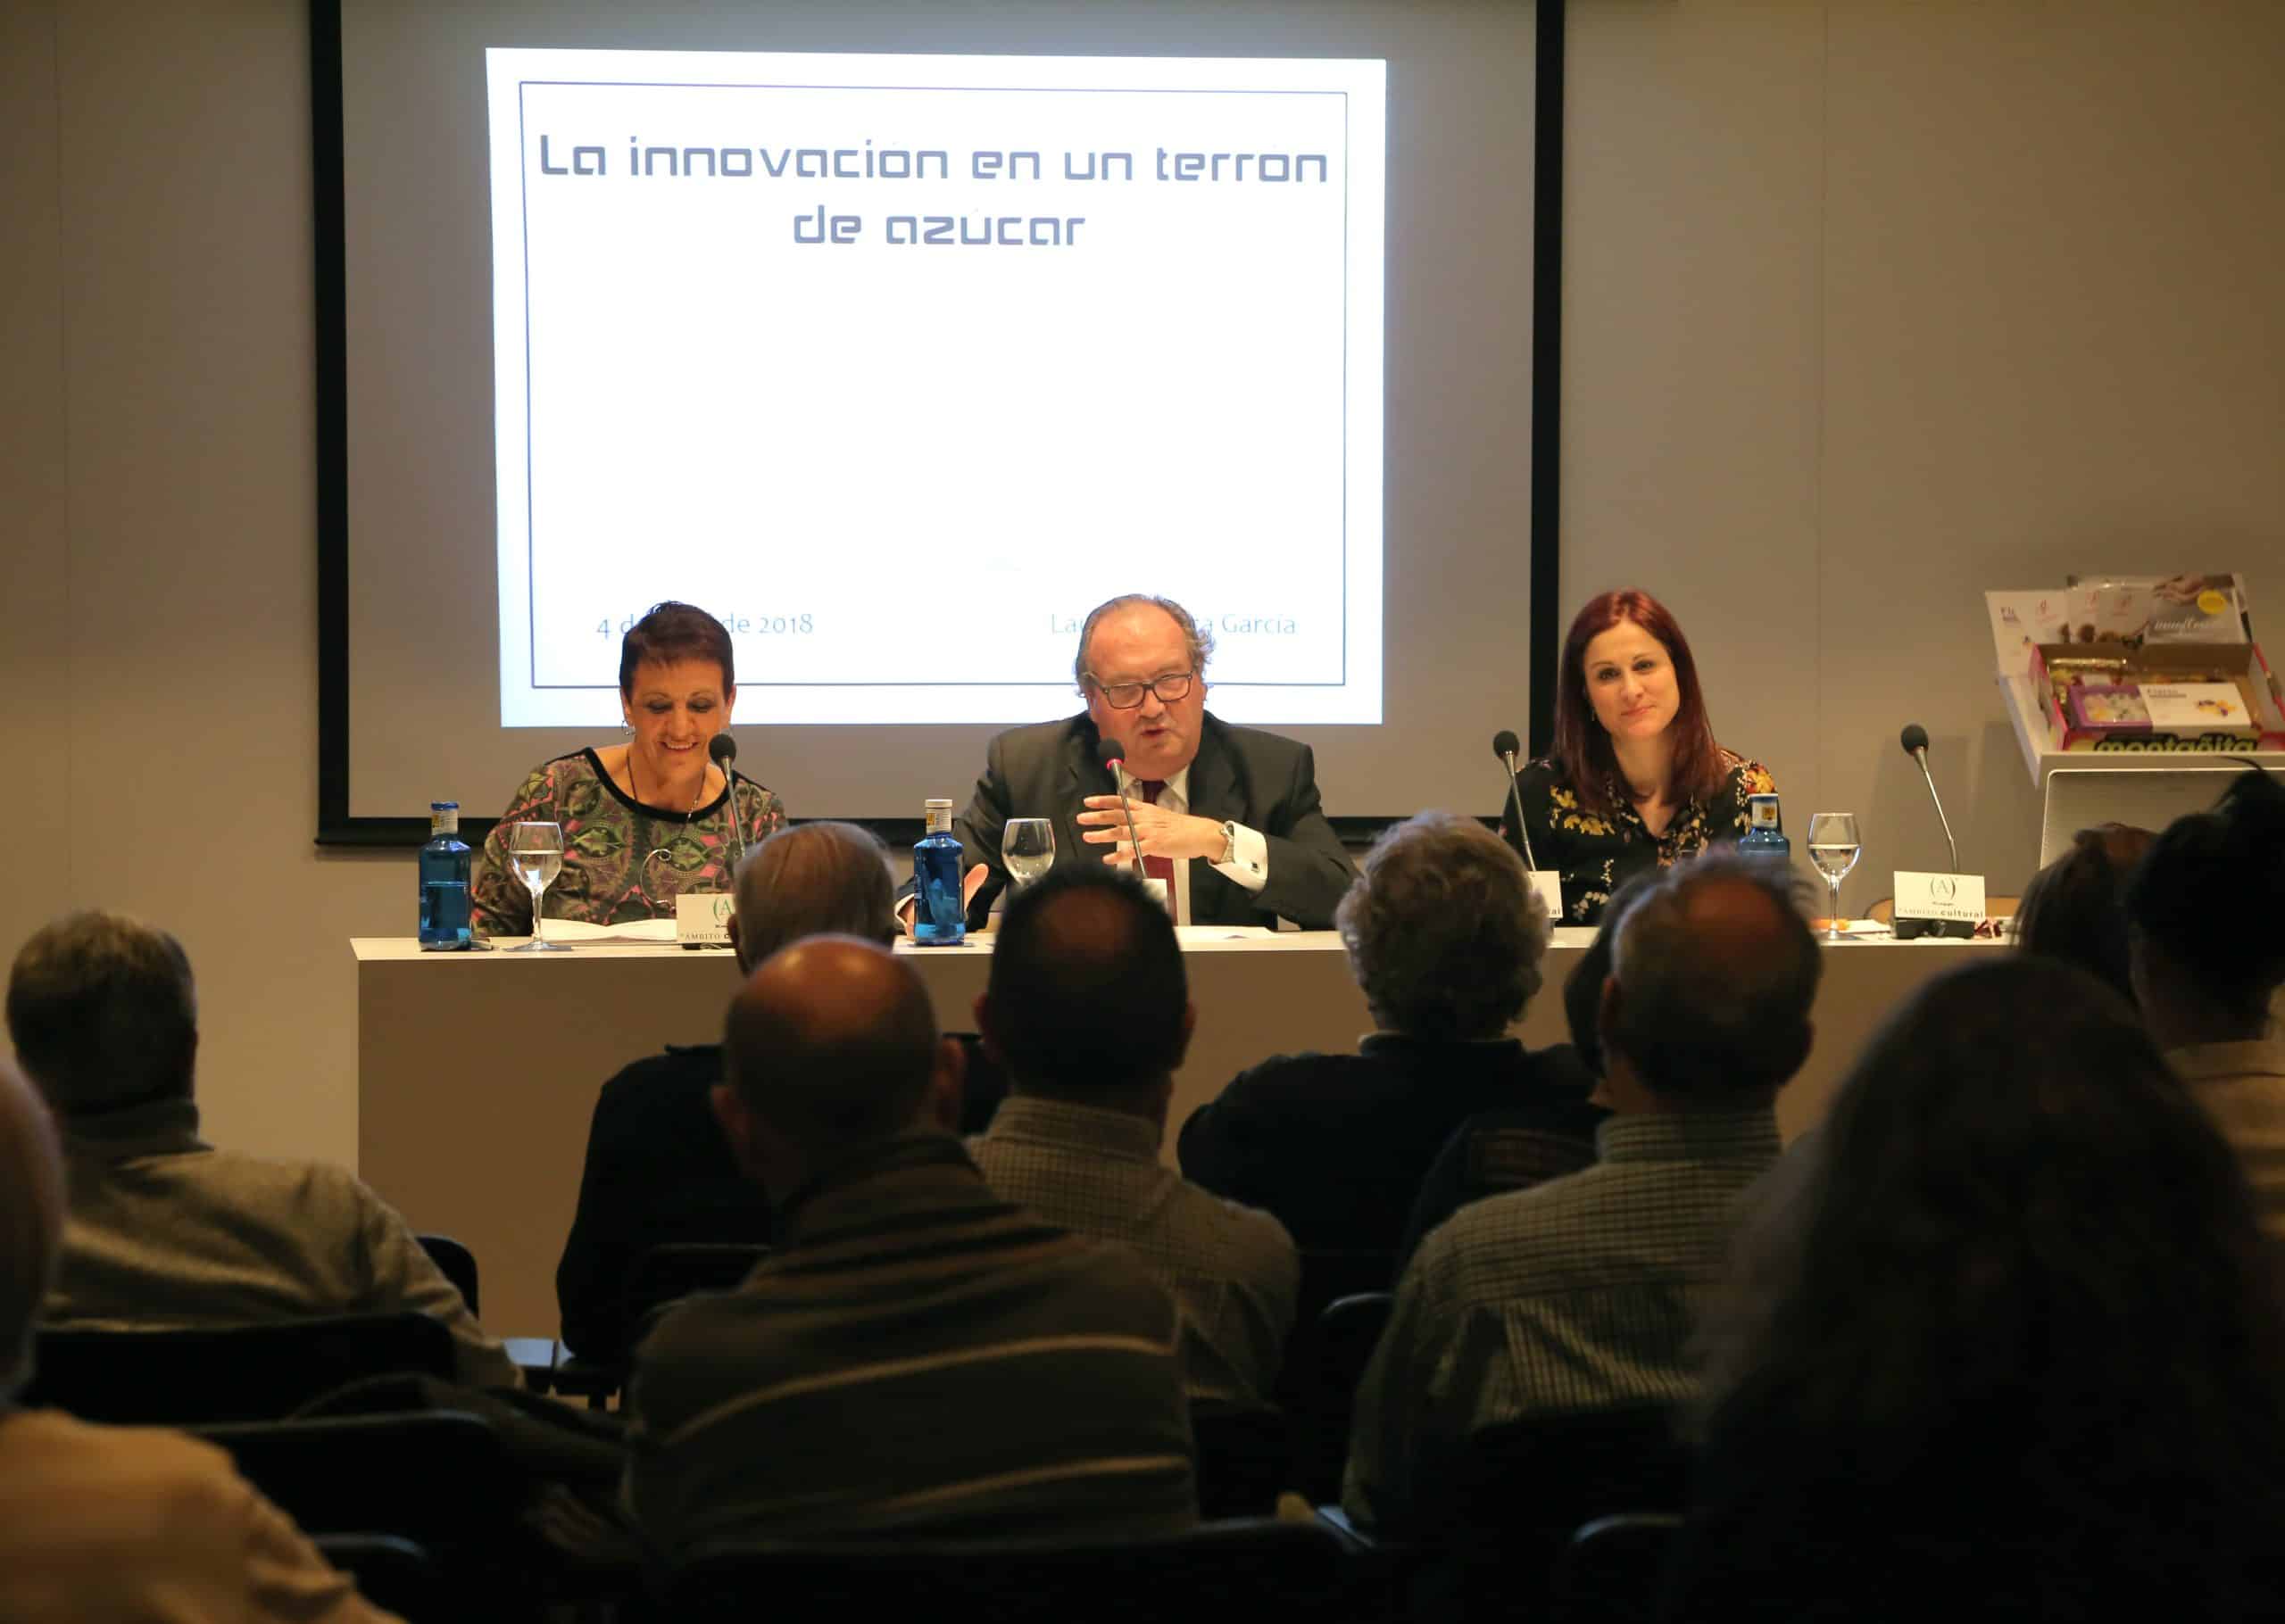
[1765, 836]
[938, 918]
[444, 883]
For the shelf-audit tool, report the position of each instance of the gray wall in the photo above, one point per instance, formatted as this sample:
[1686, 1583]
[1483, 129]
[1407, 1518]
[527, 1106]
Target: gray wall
[1871, 306]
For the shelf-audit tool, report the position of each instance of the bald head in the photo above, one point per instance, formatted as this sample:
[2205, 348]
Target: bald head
[832, 1044]
[813, 880]
[1716, 970]
[31, 1217]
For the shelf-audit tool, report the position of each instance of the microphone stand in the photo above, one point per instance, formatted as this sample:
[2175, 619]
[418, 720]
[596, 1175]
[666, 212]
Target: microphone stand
[1119, 783]
[1921, 756]
[1515, 798]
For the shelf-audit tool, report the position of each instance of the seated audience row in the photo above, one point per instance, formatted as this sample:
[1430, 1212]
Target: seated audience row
[123, 1523]
[166, 1229]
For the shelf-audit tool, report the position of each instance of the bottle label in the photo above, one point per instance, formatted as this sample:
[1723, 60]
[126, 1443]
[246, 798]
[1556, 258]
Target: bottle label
[940, 819]
[444, 820]
[1761, 811]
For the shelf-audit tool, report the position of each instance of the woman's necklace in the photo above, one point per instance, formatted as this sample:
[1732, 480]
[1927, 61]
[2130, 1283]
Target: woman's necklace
[635, 789]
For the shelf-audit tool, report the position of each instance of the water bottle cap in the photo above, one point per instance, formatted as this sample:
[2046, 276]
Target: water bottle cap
[444, 806]
[937, 804]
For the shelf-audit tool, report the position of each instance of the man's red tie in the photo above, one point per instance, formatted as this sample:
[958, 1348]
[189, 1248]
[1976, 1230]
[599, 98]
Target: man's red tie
[1158, 867]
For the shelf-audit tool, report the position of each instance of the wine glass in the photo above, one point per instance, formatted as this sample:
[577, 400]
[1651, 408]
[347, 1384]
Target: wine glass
[535, 852]
[1834, 849]
[1028, 848]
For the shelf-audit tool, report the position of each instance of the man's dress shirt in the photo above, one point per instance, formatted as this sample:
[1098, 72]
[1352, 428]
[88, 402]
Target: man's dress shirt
[1232, 1270]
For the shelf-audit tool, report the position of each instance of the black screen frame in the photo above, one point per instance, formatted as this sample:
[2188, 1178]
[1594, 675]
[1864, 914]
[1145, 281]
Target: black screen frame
[335, 825]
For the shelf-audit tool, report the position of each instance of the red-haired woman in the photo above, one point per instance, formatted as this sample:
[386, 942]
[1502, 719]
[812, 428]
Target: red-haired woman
[1636, 779]
[644, 821]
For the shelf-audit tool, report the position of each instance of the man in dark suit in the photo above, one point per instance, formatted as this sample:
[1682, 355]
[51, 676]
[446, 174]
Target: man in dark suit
[1228, 817]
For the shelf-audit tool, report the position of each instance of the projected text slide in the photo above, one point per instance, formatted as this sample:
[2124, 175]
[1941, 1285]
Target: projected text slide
[898, 364]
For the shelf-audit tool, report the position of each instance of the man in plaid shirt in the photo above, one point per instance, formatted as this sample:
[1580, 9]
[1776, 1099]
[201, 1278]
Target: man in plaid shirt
[1089, 1011]
[1582, 1293]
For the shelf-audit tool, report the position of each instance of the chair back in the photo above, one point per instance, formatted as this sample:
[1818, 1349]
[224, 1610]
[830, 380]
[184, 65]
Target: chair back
[1256, 1566]
[1612, 1570]
[231, 1374]
[456, 1264]
[1518, 1491]
[1242, 1460]
[1323, 1369]
[394, 1575]
[670, 1272]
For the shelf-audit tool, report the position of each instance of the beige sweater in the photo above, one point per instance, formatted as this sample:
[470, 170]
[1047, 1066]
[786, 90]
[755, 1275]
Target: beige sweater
[167, 1231]
[148, 1527]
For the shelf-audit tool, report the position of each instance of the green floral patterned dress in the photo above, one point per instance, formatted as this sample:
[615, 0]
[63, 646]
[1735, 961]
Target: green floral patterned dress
[1597, 855]
[622, 859]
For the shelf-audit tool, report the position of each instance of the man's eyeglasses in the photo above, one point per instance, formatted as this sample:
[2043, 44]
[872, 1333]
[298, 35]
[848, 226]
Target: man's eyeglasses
[1127, 696]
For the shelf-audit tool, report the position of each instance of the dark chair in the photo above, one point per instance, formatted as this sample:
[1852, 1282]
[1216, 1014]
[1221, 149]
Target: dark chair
[666, 1275]
[1320, 1381]
[235, 1373]
[1244, 1457]
[1326, 1277]
[392, 1573]
[442, 1479]
[456, 1264]
[983, 1086]
[1258, 1568]
[1611, 1571]
[1498, 1525]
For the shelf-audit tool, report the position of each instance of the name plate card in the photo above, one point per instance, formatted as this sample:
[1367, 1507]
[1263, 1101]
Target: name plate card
[1954, 898]
[1549, 884]
[703, 921]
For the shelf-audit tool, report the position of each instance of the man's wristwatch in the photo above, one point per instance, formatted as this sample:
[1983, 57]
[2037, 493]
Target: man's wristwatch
[1229, 843]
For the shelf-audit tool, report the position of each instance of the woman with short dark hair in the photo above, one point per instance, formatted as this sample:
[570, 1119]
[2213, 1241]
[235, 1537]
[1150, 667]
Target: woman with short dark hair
[2002, 1336]
[1636, 780]
[2074, 909]
[644, 821]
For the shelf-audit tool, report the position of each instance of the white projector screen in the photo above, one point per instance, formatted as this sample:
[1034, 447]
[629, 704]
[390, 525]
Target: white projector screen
[776, 311]
[1034, 318]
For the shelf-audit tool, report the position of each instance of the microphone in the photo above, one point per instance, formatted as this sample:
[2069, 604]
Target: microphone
[1915, 740]
[1112, 754]
[723, 750]
[1506, 746]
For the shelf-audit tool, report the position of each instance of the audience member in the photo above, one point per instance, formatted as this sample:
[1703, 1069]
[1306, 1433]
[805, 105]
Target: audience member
[165, 1230]
[2203, 908]
[1444, 936]
[2001, 1337]
[120, 1522]
[1517, 1147]
[658, 1171]
[1581, 1294]
[1088, 1011]
[918, 1358]
[2074, 908]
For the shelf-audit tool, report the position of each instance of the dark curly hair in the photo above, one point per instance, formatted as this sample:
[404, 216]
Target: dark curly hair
[2016, 1267]
[2208, 894]
[2074, 908]
[674, 631]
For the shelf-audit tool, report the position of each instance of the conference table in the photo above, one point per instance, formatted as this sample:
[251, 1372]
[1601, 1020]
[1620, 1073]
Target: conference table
[477, 1073]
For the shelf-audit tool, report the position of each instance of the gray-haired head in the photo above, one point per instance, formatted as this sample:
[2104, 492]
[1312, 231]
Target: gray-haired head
[31, 1220]
[103, 1013]
[1199, 641]
[813, 880]
[1443, 930]
[1716, 969]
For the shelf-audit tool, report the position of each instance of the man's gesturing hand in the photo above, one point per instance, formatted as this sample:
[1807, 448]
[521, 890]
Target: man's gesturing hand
[1163, 833]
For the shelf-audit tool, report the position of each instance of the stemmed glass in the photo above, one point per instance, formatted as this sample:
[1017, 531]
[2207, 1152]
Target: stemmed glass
[1027, 846]
[535, 852]
[1834, 849]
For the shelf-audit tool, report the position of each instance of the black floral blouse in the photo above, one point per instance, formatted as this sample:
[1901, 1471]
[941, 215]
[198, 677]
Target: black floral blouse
[1597, 855]
[609, 874]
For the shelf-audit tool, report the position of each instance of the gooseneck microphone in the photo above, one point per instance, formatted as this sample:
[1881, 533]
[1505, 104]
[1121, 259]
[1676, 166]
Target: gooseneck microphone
[1112, 754]
[723, 750]
[1915, 740]
[1507, 747]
